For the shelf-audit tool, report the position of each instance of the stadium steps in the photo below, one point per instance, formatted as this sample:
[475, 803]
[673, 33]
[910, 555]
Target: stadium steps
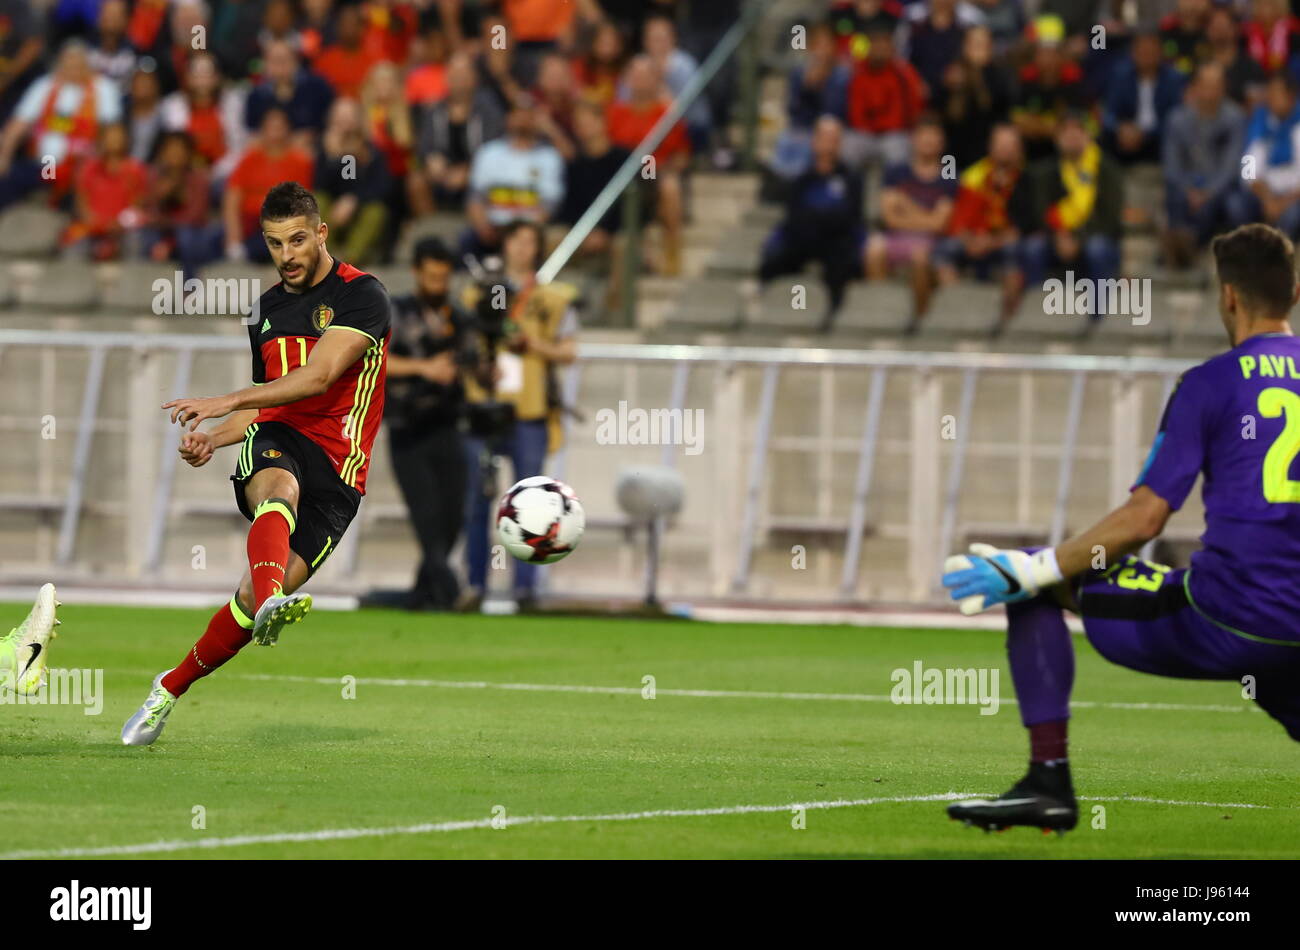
[31, 231]
[738, 251]
[240, 270]
[702, 302]
[397, 279]
[8, 290]
[876, 306]
[966, 308]
[776, 308]
[440, 224]
[55, 285]
[128, 285]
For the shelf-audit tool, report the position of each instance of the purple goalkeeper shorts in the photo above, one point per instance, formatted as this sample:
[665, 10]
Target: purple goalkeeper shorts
[1139, 615]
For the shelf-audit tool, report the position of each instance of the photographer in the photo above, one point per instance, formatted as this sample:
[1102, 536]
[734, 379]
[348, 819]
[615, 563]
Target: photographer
[424, 404]
[525, 331]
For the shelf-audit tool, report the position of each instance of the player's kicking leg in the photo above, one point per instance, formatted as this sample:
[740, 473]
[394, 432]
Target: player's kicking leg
[272, 496]
[265, 604]
[229, 631]
[25, 652]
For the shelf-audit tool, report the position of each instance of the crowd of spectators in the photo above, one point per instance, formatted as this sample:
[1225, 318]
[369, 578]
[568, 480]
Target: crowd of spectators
[1000, 132]
[996, 132]
[160, 124]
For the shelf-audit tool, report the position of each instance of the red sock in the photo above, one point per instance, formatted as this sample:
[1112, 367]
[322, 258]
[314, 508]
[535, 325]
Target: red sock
[1047, 741]
[228, 632]
[268, 549]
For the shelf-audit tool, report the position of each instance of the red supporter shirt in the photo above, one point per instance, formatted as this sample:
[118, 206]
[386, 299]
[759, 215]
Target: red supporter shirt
[628, 125]
[207, 131]
[387, 31]
[257, 173]
[885, 98]
[344, 69]
[426, 84]
[538, 21]
[108, 192]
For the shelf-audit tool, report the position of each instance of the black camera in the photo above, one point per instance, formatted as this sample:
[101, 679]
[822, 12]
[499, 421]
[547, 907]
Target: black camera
[491, 419]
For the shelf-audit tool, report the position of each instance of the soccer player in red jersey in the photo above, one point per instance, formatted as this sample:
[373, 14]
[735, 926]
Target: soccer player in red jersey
[307, 424]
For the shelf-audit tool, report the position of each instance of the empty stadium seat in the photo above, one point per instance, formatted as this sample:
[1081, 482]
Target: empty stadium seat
[129, 285]
[738, 251]
[966, 308]
[397, 280]
[56, 285]
[878, 306]
[445, 225]
[777, 308]
[31, 231]
[707, 302]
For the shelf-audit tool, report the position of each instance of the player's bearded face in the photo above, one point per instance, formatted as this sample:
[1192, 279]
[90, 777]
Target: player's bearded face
[296, 248]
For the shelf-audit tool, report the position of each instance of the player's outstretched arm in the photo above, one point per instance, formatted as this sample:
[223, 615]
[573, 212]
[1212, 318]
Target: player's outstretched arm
[338, 349]
[988, 576]
[196, 448]
[1121, 532]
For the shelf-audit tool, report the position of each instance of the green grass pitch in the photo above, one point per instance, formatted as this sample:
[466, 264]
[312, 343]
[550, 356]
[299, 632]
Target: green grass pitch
[286, 766]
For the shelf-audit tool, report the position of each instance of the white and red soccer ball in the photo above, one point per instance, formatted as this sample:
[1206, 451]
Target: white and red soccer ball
[540, 520]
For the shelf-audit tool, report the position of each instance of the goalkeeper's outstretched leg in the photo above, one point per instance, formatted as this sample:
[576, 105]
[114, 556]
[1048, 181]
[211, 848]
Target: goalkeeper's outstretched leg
[1137, 614]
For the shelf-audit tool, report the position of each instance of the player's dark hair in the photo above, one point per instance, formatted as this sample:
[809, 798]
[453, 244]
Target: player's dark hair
[1258, 261]
[289, 200]
[432, 249]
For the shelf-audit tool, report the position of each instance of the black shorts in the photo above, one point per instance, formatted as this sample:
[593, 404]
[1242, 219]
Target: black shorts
[326, 506]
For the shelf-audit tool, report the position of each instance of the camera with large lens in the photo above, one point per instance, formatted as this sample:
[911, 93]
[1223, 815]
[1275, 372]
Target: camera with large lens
[491, 419]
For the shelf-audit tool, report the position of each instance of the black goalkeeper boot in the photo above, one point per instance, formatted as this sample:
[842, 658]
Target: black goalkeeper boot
[1044, 798]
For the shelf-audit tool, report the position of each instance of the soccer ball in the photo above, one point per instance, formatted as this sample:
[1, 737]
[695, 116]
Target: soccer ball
[540, 520]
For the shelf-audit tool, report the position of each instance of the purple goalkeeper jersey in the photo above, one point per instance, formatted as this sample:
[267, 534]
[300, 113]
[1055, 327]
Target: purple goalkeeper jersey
[1236, 419]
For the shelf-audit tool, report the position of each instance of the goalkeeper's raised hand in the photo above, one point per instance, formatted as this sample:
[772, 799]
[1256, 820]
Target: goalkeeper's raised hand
[989, 576]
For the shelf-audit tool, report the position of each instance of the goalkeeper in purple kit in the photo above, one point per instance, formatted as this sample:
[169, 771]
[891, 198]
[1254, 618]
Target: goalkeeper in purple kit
[1235, 612]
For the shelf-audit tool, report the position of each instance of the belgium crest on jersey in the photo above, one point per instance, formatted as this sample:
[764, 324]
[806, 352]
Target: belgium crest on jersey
[321, 316]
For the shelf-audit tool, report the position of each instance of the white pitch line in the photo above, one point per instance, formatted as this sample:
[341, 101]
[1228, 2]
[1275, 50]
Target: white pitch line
[442, 827]
[337, 834]
[700, 693]
[1166, 801]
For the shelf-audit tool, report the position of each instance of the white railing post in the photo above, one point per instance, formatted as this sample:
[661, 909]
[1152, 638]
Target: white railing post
[728, 412]
[1125, 413]
[923, 559]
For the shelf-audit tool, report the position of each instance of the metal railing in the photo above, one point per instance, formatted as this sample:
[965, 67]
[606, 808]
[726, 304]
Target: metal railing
[915, 491]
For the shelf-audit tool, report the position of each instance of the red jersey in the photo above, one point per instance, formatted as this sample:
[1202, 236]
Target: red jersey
[344, 69]
[107, 192]
[885, 98]
[344, 419]
[258, 172]
[628, 125]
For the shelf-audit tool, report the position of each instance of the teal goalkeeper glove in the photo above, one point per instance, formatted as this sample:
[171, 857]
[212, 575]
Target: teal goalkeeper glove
[989, 576]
